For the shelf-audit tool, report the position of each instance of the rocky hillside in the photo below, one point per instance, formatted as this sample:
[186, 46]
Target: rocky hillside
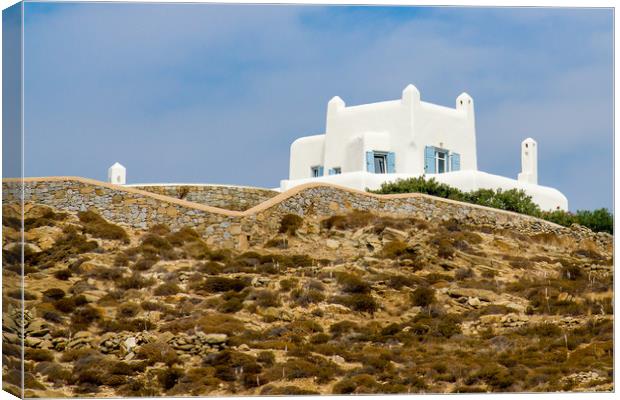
[355, 303]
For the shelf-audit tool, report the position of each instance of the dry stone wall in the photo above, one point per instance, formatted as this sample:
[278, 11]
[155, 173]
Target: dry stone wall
[141, 209]
[238, 198]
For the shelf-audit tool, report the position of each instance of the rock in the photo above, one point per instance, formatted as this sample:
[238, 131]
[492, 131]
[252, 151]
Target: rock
[37, 327]
[565, 297]
[129, 344]
[276, 313]
[481, 294]
[44, 236]
[244, 347]
[82, 334]
[215, 338]
[46, 344]
[10, 338]
[338, 359]
[336, 309]
[474, 302]
[32, 342]
[166, 336]
[394, 234]
[332, 244]
[93, 296]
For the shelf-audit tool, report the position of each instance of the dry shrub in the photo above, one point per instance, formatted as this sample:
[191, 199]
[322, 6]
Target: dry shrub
[197, 250]
[127, 310]
[211, 268]
[278, 242]
[38, 354]
[341, 328]
[423, 296]
[97, 226]
[84, 316]
[135, 281]
[210, 323]
[157, 352]
[361, 302]
[265, 298]
[54, 372]
[398, 249]
[160, 229]
[288, 284]
[53, 294]
[463, 273]
[290, 223]
[144, 263]
[271, 390]
[352, 283]
[305, 297]
[182, 236]
[167, 289]
[220, 284]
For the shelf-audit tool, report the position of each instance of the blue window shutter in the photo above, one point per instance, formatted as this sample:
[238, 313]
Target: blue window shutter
[391, 163]
[370, 161]
[429, 160]
[331, 171]
[320, 170]
[455, 162]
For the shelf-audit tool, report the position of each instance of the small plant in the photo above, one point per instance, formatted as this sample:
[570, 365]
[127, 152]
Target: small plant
[353, 284]
[38, 355]
[361, 302]
[423, 296]
[155, 352]
[135, 281]
[290, 223]
[84, 316]
[53, 294]
[167, 289]
[220, 284]
[97, 226]
[463, 273]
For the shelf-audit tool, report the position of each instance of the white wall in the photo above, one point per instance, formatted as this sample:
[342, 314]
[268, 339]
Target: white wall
[306, 152]
[404, 126]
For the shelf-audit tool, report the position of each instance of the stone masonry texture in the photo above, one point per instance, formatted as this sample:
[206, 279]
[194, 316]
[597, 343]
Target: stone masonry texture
[235, 229]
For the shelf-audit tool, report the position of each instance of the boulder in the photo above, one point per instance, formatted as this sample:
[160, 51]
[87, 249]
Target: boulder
[37, 327]
[394, 234]
[129, 344]
[474, 302]
[215, 338]
[332, 244]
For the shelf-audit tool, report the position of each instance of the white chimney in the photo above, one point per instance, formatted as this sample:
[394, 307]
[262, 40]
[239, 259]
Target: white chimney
[529, 161]
[117, 174]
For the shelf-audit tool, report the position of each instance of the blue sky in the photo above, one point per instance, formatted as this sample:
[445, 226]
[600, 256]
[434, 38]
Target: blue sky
[216, 93]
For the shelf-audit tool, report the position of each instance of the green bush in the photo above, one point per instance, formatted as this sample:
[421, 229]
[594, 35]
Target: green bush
[599, 220]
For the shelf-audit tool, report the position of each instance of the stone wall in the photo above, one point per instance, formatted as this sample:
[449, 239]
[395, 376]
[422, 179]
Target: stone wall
[238, 198]
[141, 209]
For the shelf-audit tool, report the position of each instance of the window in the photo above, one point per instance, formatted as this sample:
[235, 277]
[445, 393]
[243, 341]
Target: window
[439, 161]
[335, 171]
[380, 163]
[316, 171]
[441, 158]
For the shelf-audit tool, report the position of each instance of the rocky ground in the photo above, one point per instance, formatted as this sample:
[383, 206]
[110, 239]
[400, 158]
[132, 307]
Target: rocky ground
[355, 303]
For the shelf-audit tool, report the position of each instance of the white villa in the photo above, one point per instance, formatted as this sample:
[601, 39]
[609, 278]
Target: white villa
[366, 145]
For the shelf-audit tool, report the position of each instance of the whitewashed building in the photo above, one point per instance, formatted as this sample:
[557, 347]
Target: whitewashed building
[366, 145]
